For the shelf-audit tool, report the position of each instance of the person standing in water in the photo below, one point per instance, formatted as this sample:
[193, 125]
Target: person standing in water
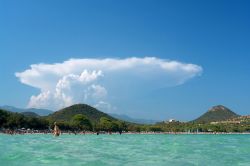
[57, 131]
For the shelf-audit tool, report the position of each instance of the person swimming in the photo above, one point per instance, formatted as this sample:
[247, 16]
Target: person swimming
[57, 131]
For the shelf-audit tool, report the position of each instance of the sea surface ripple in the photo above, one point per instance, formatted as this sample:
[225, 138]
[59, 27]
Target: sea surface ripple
[126, 149]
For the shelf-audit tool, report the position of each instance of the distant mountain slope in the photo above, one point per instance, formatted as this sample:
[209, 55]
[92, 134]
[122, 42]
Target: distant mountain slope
[30, 114]
[133, 120]
[41, 112]
[90, 112]
[216, 113]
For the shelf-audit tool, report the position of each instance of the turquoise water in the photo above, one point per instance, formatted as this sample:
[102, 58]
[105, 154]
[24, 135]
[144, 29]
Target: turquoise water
[124, 149]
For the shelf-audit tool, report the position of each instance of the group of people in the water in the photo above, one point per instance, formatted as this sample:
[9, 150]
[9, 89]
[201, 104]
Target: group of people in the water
[22, 131]
[56, 132]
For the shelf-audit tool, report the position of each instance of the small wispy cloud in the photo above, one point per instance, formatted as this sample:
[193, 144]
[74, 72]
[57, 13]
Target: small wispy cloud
[90, 80]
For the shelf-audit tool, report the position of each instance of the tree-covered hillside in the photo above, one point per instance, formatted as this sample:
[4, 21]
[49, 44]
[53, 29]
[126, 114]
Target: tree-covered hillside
[216, 113]
[29, 114]
[12, 120]
[67, 113]
[82, 117]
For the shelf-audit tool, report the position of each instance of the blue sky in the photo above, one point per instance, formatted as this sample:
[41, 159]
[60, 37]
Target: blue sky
[211, 34]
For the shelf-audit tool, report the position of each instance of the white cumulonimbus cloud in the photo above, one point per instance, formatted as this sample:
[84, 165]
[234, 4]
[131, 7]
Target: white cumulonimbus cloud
[90, 80]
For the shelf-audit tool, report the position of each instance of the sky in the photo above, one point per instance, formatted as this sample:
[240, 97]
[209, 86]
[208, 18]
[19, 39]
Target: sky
[143, 58]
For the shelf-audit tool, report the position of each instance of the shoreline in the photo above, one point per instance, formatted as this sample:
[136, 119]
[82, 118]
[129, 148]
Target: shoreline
[117, 133]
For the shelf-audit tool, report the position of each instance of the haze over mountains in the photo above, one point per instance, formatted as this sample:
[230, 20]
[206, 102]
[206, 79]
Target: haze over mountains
[30, 114]
[133, 120]
[40, 112]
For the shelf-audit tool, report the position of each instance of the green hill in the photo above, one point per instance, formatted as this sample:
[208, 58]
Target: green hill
[216, 113]
[67, 113]
[29, 114]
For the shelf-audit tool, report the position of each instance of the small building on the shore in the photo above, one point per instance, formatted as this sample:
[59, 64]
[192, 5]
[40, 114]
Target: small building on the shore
[170, 121]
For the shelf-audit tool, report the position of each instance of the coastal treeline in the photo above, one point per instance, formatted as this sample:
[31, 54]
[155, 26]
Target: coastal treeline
[10, 120]
[79, 122]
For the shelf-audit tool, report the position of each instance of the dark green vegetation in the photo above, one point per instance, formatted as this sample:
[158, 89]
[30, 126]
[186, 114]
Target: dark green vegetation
[79, 117]
[216, 113]
[82, 117]
[29, 114]
[12, 120]
[81, 122]
[67, 113]
[205, 127]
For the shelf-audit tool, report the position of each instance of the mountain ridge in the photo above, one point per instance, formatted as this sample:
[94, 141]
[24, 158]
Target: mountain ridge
[133, 120]
[40, 112]
[29, 114]
[216, 113]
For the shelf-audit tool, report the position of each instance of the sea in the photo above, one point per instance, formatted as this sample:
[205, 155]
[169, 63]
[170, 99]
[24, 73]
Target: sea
[125, 149]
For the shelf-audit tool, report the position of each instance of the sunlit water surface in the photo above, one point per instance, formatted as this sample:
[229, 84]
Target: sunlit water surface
[136, 149]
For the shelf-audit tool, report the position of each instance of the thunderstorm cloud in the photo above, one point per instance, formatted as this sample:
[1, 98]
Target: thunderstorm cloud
[93, 81]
